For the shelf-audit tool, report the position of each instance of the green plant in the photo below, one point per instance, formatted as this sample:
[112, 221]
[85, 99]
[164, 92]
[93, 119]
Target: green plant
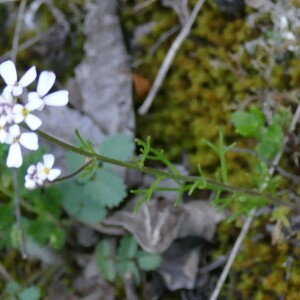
[128, 259]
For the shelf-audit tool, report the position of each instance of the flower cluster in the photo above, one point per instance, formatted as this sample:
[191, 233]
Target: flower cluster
[14, 112]
[38, 174]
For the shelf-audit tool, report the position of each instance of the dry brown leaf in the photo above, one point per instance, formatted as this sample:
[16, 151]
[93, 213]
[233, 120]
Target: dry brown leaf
[141, 85]
[158, 223]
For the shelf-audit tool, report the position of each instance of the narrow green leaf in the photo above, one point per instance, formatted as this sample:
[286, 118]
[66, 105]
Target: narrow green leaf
[128, 266]
[105, 260]
[128, 247]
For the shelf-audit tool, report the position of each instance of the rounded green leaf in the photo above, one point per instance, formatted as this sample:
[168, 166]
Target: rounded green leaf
[118, 146]
[31, 293]
[80, 205]
[148, 261]
[107, 188]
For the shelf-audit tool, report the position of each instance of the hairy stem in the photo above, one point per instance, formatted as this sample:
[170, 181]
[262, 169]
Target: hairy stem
[211, 184]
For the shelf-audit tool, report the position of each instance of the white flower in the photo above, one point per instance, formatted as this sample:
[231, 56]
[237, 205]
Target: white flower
[6, 106]
[28, 140]
[45, 170]
[6, 112]
[289, 36]
[9, 74]
[23, 113]
[38, 174]
[6, 98]
[283, 23]
[32, 179]
[3, 132]
[45, 83]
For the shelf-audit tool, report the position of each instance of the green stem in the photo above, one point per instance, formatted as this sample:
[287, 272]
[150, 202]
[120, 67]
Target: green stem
[19, 215]
[211, 184]
[222, 152]
[78, 171]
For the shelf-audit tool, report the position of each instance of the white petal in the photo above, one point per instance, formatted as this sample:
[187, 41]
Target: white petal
[18, 118]
[34, 104]
[8, 89]
[41, 171]
[2, 121]
[289, 36]
[33, 121]
[45, 83]
[30, 184]
[59, 98]
[14, 158]
[3, 135]
[18, 108]
[48, 160]
[29, 140]
[6, 97]
[283, 23]
[8, 72]
[31, 169]
[53, 174]
[40, 167]
[9, 139]
[17, 90]
[34, 96]
[28, 77]
[14, 130]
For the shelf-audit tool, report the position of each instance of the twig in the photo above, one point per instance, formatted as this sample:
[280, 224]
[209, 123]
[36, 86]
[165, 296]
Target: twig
[249, 219]
[17, 32]
[279, 169]
[19, 215]
[4, 1]
[129, 287]
[142, 5]
[28, 43]
[4, 273]
[163, 38]
[169, 58]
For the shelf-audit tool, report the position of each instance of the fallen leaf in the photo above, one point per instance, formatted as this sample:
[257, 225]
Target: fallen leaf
[141, 85]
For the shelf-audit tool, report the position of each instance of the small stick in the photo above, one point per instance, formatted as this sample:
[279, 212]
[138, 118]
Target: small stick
[17, 32]
[129, 287]
[28, 43]
[142, 5]
[4, 273]
[169, 58]
[4, 1]
[163, 38]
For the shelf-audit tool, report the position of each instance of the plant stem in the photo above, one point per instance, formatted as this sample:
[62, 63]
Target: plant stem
[211, 184]
[89, 161]
[19, 215]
